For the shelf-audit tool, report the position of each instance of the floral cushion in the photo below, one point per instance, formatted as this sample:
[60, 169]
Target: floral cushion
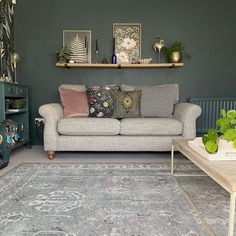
[127, 104]
[101, 100]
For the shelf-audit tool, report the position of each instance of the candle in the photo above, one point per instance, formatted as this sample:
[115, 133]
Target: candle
[85, 42]
[113, 45]
[96, 45]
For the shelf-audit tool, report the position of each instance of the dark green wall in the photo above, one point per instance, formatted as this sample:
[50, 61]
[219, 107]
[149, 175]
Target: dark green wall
[207, 29]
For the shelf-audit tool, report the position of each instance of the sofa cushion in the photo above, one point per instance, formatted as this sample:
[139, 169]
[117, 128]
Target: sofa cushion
[101, 100]
[127, 104]
[77, 87]
[88, 126]
[157, 102]
[74, 103]
[150, 126]
[173, 87]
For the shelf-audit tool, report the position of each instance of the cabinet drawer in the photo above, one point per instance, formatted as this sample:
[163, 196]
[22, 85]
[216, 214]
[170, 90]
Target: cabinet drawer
[10, 90]
[21, 91]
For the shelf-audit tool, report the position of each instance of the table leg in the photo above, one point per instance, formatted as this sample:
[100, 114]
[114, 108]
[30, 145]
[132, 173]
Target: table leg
[172, 160]
[231, 214]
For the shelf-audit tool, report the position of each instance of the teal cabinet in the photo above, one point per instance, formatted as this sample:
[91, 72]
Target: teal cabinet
[14, 106]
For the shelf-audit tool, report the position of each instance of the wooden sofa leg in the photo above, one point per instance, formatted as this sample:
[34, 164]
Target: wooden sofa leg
[51, 155]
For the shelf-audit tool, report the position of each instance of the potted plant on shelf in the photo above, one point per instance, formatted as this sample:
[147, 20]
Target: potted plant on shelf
[227, 131]
[175, 52]
[63, 55]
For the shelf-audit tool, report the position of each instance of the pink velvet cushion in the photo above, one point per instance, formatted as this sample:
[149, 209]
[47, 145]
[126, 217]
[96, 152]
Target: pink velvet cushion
[75, 103]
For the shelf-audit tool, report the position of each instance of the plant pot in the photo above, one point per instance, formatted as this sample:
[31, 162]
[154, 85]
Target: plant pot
[175, 57]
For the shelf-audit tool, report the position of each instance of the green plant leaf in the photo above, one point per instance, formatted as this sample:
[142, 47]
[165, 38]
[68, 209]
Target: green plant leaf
[223, 113]
[231, 114]
[205, 139]
[230, 134]
[234, 143]
[211, 147]
[212, 135]
[224, 128]
[233, 122]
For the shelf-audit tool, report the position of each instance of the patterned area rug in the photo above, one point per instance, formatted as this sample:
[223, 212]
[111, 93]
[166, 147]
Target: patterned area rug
[102, 200]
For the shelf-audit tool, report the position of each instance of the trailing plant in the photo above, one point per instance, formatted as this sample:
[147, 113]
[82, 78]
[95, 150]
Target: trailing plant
[226, 128]
[63, 55]
[175, 47]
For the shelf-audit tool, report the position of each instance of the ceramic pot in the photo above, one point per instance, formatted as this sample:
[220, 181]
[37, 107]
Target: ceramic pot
[175, 57]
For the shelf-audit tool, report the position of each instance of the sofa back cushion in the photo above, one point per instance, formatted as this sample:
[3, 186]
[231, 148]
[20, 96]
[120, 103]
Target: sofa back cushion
[156, 101]
[76, 87]
[75, 103]
[174, 88]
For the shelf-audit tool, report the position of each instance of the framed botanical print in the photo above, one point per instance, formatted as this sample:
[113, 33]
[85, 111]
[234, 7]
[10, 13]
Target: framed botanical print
[79, 43]
[127, 42]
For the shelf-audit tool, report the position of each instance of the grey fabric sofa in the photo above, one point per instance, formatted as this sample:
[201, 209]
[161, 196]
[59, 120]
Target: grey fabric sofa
[110, 134]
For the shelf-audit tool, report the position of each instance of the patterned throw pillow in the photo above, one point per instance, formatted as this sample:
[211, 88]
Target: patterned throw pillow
[101, 100]
[127, 104]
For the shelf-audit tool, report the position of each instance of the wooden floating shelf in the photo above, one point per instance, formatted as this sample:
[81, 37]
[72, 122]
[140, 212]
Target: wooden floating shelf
[119, 66]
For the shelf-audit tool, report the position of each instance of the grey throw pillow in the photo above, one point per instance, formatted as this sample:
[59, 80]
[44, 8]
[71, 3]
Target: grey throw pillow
[157, 102]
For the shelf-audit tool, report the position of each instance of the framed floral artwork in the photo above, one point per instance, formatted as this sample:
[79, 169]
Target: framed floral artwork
[127, 42]
[79, 43]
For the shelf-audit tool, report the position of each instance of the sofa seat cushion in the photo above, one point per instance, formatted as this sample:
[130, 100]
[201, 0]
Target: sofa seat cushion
[150, 126]
[88, 126]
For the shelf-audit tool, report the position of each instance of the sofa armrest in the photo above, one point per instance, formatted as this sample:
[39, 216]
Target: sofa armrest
[51, 113]
[187, 113]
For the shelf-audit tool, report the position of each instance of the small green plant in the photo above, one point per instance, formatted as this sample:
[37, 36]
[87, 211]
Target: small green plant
[175, 47]
[63, 55]
[227, 131]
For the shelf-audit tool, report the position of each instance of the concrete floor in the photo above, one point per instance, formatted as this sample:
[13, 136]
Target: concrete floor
[38, 155]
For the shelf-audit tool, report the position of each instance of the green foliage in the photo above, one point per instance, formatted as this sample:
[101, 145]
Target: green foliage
[175, 47]
[211, 147]
[210, 141]
[63, 55]
[227, 127]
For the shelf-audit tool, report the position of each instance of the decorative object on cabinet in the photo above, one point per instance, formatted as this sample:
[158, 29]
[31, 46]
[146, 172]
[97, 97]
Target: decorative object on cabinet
[127, 42]
[63, 55]
[79, 43]
[15, 57]
[6, 40]
[158, 45]
[14, 117]
[175, 52]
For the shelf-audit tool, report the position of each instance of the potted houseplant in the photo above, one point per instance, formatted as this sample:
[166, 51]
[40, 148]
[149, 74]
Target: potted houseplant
[175, 52]
[63, 55]
[225, 136]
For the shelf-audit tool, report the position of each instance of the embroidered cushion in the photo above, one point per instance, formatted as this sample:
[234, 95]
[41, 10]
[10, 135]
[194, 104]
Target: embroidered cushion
[101, 100]
[127, 104]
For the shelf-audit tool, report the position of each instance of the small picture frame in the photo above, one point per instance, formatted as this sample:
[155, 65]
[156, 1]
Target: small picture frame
[83, 40]
[127, 42]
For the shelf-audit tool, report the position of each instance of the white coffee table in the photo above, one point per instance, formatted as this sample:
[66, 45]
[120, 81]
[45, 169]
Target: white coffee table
[222, 172]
